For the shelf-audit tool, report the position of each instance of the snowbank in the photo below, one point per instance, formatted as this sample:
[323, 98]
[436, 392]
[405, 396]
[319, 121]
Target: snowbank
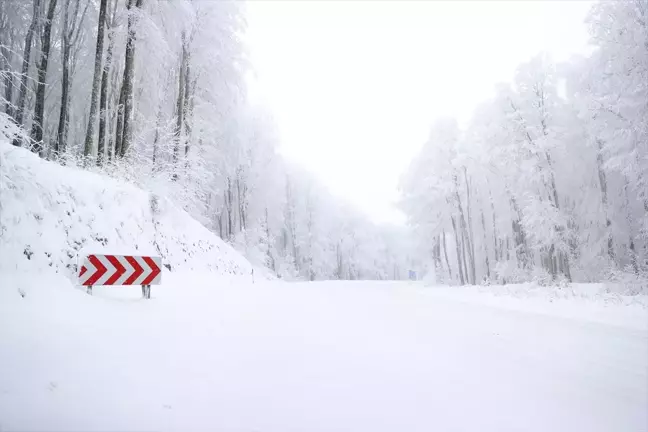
[50, 214]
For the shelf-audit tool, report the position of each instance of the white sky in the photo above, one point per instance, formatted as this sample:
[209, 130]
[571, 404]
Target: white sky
[354, 86]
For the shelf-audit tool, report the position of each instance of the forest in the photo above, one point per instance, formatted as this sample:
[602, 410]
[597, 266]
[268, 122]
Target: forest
[547, 182]
[154, 93]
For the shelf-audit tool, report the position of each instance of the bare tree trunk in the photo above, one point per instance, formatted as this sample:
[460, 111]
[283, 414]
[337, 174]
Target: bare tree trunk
[471, 236]
[464, 233]
[96, 83]
[240, 202]
[187, 105]
[180, 107]
[22, 96]
[497, 256]
[485, 245]
[551, 260]
[129, 73]
[562, 256]
[230, 210]
[519, 236]
[69, 32]
[103, 97]
[445, 253]
[463, 257]
[436, 256]
[7, 38]
[458, 247]
[39, 108]
[59, 147]
[5, 65]
[604, 200]
[290, 221]
[220, 225]
[156, 138]
[119, 127]
[124, 120]
[271, 260]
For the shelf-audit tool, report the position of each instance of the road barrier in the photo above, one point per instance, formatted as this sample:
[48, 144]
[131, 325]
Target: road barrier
[121, 270]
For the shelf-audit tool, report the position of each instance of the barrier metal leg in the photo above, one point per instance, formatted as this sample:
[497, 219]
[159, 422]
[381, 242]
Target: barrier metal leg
[89, 289]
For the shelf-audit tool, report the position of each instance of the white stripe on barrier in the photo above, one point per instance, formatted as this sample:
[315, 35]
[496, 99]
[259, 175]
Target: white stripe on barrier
[145, 274]
[129, 270]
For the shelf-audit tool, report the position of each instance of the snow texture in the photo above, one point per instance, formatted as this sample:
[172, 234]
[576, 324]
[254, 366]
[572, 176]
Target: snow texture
[51, 215]
[215, 349]
[220, 353]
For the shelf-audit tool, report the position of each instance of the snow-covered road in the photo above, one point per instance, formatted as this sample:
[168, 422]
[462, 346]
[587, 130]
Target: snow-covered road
[333, 356]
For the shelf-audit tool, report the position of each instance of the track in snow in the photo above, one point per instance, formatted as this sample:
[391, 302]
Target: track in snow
[335, 356]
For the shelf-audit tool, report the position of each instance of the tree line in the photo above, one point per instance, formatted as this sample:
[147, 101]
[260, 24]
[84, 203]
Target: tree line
[548, 180]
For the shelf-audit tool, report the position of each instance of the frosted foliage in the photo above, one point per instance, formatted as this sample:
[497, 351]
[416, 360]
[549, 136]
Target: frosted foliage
[550, 175]
[547, 181]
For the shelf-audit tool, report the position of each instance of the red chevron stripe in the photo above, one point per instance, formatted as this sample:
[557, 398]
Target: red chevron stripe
[101, 270]
[83, 270]
[138, 270]
[119, 270]
[155, 270]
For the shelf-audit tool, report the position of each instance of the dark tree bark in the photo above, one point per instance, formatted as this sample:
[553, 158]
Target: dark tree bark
[22, 96]
[125, 132]
[69, 36]
[7, 38]
[39, 108]
[156, 137]
[103, 102]
[119, 129]
[59, 146]
[180, 108]
[187, 106]
[5, 66]
[103, 98]
[96, 84]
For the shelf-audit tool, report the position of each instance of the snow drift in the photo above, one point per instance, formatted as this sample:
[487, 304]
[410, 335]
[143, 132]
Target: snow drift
[50, 214]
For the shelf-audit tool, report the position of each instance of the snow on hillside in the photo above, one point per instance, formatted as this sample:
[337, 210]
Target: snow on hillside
[50, 214]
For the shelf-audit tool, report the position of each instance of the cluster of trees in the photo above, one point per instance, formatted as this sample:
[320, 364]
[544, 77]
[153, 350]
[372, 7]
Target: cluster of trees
[154, 92]
[549, 180]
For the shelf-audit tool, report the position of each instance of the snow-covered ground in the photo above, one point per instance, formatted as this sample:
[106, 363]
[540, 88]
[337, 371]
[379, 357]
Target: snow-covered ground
[221, 353]
[50, 214]
[216, 350]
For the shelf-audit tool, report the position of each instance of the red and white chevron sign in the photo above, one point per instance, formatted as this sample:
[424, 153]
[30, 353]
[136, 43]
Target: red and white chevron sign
[120, 270]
